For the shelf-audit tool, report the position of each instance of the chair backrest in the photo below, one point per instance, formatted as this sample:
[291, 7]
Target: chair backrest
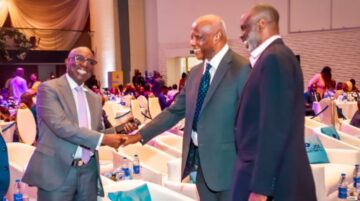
[127, 100]
[135, 110]
[110, 111]
[330, 142]
[312, 123]
[19, 156]
[154, 107]
[149, 155]
[143, 101]
[346, 127]
[26, 125]
[170, 143]
[157, 192]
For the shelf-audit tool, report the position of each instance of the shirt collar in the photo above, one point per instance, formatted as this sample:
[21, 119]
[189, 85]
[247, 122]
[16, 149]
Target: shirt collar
[215, 61]
[73, 84]
[255, 54]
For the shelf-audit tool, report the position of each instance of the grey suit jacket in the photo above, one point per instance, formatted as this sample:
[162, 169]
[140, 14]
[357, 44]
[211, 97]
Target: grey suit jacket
[60, 135]
[215, 126]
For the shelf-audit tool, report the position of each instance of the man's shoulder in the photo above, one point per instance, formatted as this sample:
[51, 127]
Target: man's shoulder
[238, 59]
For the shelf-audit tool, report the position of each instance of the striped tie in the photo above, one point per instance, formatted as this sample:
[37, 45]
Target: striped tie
[203, 88]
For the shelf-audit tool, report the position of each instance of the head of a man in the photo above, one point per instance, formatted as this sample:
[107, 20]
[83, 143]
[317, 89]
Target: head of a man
[19, 72]
[258, 24]
[80, 64]
[33, 77]
[208, 36]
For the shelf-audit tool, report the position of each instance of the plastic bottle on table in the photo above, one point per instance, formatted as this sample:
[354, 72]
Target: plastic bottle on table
[342, 188]
[18, 195]
[125, 168]
[136, 167]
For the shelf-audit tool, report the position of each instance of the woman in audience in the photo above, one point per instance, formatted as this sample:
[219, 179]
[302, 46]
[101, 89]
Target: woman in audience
[355, 121]
[321, 80]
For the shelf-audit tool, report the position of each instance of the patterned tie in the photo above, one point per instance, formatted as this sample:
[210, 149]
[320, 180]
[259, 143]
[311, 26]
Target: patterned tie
[203, 88]
[83, 119]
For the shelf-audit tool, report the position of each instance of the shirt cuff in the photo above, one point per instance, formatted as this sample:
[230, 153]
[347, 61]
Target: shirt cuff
[100, 140]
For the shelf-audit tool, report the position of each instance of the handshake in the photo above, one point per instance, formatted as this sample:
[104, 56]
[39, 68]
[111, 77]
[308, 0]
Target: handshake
[124, 135]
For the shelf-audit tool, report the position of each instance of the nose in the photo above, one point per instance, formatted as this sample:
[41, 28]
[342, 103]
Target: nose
[192, 41]
[242, 36]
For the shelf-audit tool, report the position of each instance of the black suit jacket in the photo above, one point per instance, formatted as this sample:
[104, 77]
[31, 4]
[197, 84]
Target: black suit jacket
[271, 157]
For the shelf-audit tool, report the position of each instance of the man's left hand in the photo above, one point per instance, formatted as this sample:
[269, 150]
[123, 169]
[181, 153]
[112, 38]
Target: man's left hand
[257, 197]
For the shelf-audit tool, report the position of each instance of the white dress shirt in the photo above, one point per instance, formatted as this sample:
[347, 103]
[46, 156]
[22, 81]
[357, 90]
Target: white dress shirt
[214, 62]
[255, 54]
[73, 85]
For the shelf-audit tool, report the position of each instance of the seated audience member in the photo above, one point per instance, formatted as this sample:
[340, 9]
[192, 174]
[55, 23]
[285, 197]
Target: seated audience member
[5, 114]
[355, 121]
[321, 80]
[105, 119]
[33, 83]
[354, 88]
[171, 93]
[311, 96]
[330, 91]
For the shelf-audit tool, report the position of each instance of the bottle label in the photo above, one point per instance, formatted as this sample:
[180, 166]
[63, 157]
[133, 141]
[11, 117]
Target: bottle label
[356, 182]
[126, 172]
[136, 169]
[342, 192]
[18, 197]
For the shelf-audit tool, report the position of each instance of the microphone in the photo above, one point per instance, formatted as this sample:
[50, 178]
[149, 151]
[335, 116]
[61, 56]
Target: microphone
[120, 128]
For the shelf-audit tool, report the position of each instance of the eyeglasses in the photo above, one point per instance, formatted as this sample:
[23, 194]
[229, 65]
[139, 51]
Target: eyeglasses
[82, 59]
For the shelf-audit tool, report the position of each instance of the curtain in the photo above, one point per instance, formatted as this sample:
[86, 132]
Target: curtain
[49, 20]
[3, 12]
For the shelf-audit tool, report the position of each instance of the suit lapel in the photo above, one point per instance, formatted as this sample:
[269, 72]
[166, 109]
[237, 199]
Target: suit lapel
[91, 102]
[219, 74]
[67, 96]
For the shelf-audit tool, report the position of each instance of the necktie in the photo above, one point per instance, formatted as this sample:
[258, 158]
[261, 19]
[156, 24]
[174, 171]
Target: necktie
[203, 88]
[83, 119]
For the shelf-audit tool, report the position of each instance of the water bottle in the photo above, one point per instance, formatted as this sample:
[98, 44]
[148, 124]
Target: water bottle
[125, 168]
[136, 167]
[18, 196]
[356, 178]
[342, 188]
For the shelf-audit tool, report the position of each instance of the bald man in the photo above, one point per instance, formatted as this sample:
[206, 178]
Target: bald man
[208, 102]
[271, 157]
[65, 164]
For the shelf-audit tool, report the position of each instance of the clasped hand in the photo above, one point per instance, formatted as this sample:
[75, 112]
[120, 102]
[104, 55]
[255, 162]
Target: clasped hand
[117, 140]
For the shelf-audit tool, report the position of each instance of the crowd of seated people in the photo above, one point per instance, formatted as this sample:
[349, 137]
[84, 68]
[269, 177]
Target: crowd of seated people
[322, 85]
[146, 86]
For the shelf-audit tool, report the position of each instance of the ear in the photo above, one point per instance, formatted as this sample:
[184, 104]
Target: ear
[261, 24]
[217, 36]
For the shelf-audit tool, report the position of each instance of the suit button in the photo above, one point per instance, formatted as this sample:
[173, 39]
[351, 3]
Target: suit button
[3, 149]
[6, 167]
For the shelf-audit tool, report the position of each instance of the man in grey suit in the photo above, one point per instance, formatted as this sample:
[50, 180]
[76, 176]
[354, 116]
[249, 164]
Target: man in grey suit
[65, 163]
[271, 157]
[208, 102]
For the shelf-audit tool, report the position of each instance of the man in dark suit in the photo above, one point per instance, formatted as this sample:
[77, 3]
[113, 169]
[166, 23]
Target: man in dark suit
[4, 167]
[271, 158]
[208, 102]
[65, 163]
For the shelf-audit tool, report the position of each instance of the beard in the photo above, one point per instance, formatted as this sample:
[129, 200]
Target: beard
[253, 40]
